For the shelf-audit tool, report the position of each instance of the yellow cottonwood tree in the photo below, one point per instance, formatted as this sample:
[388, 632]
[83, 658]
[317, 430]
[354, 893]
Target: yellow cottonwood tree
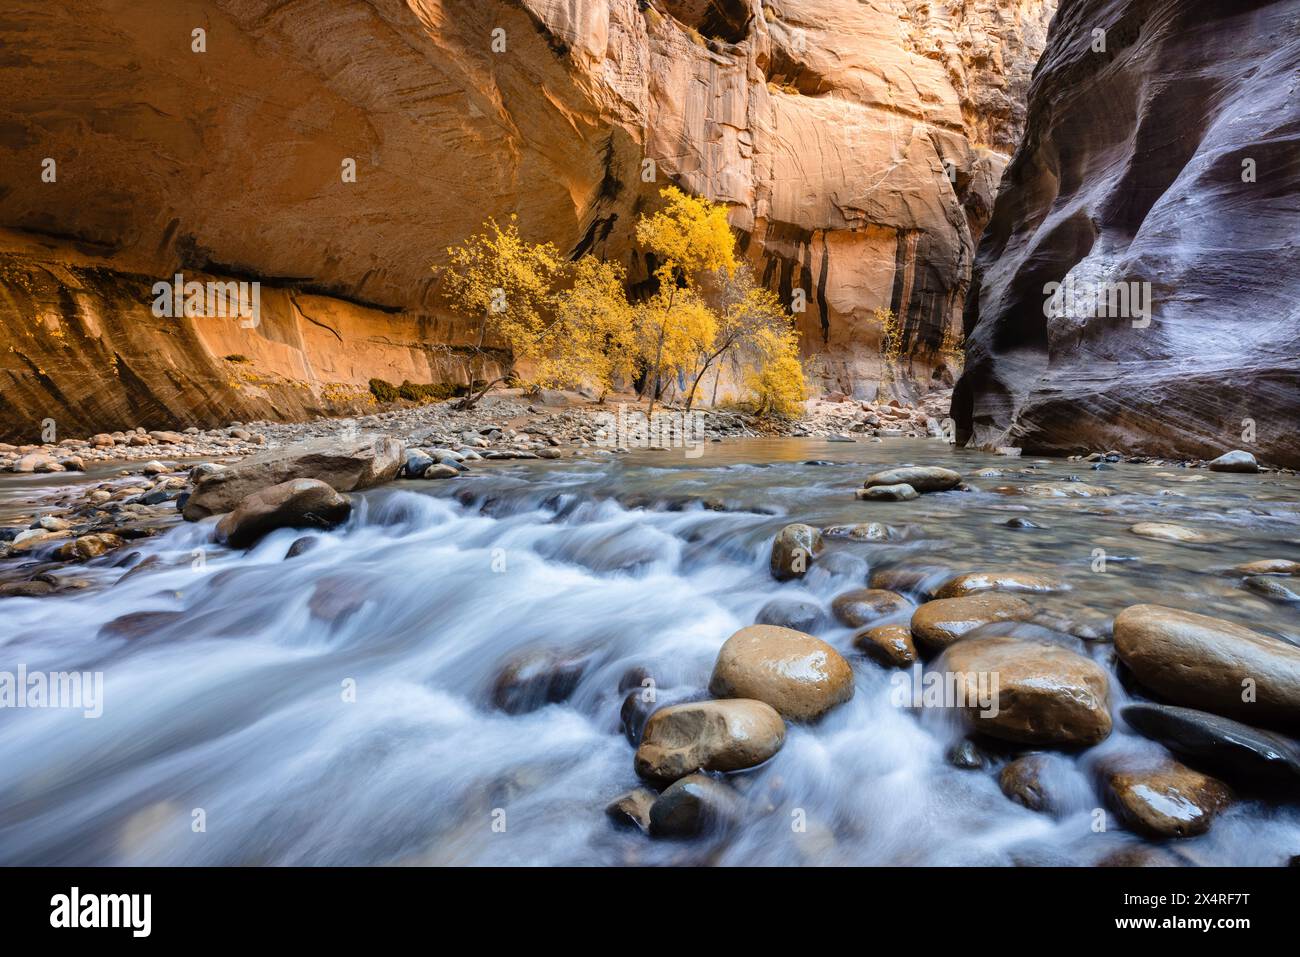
[505, 283]
[592, 338]
[688, 237]
[746, 309]
[776, 375]
[673, 327]
[572, 322]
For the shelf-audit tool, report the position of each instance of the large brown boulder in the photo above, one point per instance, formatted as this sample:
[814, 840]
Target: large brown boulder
[800, 676]
[727, 735]
[1214, 665]
[922, 478]
[299, 503]
[937, 624]
[1167, 800]
[344, 465]
[1043, 694]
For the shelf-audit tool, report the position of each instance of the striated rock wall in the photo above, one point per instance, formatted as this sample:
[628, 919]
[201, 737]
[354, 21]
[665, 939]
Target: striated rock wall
[824, 124]
[1170, 159]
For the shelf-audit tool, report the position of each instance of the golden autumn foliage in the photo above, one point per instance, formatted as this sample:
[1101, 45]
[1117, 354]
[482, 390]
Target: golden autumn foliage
[776, 375]
[688, 237]
[505, 283]
[745, 310]
[593, 337]
[574, 325]
[891, 344]
[673, 326]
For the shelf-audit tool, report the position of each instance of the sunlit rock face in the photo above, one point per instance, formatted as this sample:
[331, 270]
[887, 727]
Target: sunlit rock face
[858, 147]
[1171, 158]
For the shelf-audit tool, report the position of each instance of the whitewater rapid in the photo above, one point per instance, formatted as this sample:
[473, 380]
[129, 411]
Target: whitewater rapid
[336, 707]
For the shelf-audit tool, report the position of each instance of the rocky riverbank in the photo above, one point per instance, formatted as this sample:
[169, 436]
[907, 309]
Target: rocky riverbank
[48, 533]
[54, 529]
[505, 421]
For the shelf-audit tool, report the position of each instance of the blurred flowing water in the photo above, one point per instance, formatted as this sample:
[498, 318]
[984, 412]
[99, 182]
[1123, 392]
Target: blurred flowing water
[231, 697]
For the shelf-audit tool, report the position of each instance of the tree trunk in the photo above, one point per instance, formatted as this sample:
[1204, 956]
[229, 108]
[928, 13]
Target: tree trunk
[472, 400]
[659, 352]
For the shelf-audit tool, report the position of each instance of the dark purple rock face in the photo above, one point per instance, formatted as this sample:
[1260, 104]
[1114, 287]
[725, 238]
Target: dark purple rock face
[1164, 165]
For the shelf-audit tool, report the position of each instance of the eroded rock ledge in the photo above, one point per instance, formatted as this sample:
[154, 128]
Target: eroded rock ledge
[1132, 170]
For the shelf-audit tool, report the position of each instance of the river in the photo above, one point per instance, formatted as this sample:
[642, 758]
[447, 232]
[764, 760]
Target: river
[337, 707]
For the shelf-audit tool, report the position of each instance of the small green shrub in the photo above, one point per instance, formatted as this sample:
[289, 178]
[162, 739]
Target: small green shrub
[383, 391]
[432, 392]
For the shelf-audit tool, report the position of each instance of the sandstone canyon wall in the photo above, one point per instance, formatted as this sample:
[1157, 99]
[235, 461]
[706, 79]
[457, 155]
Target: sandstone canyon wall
[1170, 158]
[857, 145]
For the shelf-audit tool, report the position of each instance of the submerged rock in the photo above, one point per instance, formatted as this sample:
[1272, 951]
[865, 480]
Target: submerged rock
[939, 623]
[537, 678]
[967, 756]
[886, 493]
[793, 551]
[862, 606]
[299, 503]
[976, 582]
[138, 624]
[1269, 566]
[865, 532]
[796, 613]
[918, 581]
[1036, 781]
[1207, 663]
[1278, 589]
[692, 805]
[632, 809]
[1165, 532]
[800, 676]
[727, 735]
[26, 589]
[301, 546]
[1019, 522]
[920, 478]
[1056, 490]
